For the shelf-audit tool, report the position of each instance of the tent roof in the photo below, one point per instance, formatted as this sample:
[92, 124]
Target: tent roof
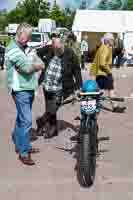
[103, 21]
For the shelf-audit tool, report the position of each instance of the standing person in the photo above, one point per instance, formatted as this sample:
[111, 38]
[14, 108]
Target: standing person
[52, 88]
[2, 55]
[22, 83]
[72, 78]
[66, 74]
[118, 51]
[102, 69]
[84, 51]
[71, 42]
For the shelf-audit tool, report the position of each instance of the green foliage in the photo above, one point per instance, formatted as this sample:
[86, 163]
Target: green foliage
[69, 20]
[3, 22]
[15, 16]
[31, 11]
[5, 38]
[58, 15]
[103, 5]
[130, 4]
[113, 5]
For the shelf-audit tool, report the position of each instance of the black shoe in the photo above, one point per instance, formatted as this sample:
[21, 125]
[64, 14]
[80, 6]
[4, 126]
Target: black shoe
[40, 127]
[118, 109]
[76, 138]
[40, 131]
[48, 136]
[38, 123]
[77, 118]
[33, 135]
[50, 132]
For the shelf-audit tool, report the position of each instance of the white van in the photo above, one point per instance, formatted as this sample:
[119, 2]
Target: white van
[46, 26]
[12, 28]
[38, 39]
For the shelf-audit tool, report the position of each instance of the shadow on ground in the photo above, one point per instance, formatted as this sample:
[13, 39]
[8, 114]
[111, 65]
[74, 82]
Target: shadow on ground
[75, 150]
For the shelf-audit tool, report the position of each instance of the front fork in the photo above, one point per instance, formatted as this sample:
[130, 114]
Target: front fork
[89, 123]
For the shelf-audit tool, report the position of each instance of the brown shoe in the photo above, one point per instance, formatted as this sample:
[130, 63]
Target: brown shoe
[26, 160]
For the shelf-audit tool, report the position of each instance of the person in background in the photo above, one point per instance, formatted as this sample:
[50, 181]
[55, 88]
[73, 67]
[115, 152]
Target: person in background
[118, 51]
[72, 78]
[84, 51]
[129, 56]
[72, 43]
[2, 55]
[101, 69]
[22, 82]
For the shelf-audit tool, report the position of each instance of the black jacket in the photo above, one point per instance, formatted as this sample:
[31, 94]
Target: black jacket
[45, 53]
[72, 79]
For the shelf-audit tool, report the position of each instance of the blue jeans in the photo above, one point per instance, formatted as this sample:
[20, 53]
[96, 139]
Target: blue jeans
[23, 101]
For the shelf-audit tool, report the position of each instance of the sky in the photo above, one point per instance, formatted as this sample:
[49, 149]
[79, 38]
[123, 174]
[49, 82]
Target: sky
[10, 4]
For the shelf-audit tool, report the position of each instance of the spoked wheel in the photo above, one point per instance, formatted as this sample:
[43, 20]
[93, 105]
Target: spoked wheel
[87, 153]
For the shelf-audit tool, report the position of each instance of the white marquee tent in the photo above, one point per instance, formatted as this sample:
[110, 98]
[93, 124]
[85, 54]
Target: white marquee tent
[103, 21]
[97, 22]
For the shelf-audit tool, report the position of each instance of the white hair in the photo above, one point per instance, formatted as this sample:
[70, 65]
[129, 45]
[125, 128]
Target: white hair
[24, 28]
[108, 36]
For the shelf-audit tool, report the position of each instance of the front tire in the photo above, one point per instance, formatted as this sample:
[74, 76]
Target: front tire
[87, 152]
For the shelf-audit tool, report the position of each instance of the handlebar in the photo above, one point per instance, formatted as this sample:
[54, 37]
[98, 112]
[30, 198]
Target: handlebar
[119, 99]
[77, 98]
[99, 95]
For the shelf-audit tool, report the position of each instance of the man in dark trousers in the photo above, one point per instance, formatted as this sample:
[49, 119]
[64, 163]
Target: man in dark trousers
[2, 55]
[118, 51]
[66, 80]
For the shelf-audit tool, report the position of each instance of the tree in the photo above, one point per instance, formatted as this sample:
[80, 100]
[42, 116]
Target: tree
[130, 4]
[15, 16]
[3, 21]
[112, 5]
[115, 4]
[69, 20]
[83, 5]
[103, 5]
[58, 15]
[29, 11]
[34, 10]
[69, 17]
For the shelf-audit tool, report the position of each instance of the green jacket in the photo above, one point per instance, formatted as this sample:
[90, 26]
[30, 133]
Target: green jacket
[22, 80]
[76, 48]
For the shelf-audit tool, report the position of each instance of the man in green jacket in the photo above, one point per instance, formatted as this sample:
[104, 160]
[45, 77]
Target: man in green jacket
[22, 82]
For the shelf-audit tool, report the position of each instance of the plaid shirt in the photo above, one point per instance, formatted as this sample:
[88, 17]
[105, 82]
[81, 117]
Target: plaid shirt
[53, 75]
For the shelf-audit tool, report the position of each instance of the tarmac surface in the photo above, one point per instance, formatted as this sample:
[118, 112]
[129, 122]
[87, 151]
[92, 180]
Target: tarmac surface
[54, 176]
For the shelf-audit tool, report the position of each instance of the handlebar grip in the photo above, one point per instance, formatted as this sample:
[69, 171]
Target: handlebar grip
[119, 99]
